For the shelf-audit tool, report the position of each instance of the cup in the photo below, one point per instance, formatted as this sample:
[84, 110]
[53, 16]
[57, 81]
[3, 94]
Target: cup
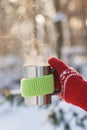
[32, 72]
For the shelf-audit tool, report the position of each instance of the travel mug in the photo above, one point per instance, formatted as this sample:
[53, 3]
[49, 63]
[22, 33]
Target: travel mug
[33, 73]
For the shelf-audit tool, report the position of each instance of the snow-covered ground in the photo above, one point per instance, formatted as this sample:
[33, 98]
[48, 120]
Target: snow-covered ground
[35, 118]
[22, 118]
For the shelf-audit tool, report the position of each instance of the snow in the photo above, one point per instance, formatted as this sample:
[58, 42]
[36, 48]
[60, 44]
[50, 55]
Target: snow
[23, 118]
[27, 117]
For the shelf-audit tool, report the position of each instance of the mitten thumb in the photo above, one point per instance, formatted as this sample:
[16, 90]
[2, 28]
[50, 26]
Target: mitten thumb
[57, 64]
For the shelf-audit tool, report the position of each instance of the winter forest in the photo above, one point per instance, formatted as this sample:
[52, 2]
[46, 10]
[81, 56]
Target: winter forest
[31, 31]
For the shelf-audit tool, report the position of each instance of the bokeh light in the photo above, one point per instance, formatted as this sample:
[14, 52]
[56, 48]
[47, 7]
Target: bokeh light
[71, 6]
[40, 19]
[75, 23]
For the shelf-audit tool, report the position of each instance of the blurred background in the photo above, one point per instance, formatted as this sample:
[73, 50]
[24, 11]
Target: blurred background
[31, 31]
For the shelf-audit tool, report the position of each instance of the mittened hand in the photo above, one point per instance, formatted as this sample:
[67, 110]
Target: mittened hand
[62, 75]
[59, 67]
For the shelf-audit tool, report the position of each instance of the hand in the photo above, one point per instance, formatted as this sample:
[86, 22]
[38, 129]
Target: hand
[59, 67]
[64, 76]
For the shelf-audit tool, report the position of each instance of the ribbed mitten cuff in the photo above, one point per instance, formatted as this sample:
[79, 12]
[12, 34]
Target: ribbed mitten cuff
[74, 88]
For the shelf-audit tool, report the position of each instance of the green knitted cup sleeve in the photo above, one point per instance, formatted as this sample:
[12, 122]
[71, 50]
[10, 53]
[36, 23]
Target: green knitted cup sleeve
[37, 86]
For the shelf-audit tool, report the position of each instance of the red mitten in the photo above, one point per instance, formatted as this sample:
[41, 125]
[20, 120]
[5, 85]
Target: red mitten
[73, 86]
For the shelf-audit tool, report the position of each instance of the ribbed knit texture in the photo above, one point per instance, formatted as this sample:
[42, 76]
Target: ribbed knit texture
[76, 92]
[73, 86]
[37, 86]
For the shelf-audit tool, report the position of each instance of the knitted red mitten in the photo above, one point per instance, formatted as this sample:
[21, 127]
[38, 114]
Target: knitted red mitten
[73, 86]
